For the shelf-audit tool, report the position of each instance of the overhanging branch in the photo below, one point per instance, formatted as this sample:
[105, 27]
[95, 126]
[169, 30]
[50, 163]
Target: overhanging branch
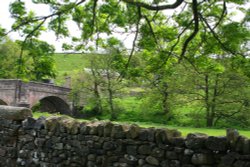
[154, 7]
[196, 29]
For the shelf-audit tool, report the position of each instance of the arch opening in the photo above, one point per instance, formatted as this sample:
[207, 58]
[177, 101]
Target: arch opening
[3, 102]
[52, 104]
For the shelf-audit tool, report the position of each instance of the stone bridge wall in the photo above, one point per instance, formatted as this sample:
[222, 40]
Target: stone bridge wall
[37, 91]
[64, 142]
[18, 93]
[8, 91]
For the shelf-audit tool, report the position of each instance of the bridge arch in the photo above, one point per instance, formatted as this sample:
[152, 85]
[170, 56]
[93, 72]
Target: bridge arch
[52, 104]
[2, 102]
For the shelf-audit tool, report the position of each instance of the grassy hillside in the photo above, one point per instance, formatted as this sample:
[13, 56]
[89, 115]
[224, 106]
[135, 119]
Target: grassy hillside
[66, 64]
[69, 62]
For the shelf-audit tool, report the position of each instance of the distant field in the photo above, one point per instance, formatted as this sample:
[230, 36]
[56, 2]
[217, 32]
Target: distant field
[69, 62]
[66, 64]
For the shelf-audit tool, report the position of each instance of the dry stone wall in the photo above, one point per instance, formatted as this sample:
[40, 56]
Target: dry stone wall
[63, 142]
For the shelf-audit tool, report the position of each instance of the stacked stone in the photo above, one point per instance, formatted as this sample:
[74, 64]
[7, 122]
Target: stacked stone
[62, 141]
[8, 145]
[10, 123]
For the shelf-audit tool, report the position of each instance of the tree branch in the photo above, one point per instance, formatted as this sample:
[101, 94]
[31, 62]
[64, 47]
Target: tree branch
[134, 43]
[154, 7]
[196, 28]
[225, 48]
[223, 14]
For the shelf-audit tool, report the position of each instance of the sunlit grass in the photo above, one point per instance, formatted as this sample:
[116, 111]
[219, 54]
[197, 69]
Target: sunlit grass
[69, 62]
[44, 114]
[187, 130]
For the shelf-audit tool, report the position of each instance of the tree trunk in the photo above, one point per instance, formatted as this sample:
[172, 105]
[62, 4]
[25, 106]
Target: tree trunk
[98, 105]
[98, 99]
[207, 103]
[214, 100]
[110, 98]
[165, 103]
[211, 106]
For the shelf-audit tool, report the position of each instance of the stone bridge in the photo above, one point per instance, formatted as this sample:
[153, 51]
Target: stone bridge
[47, 97]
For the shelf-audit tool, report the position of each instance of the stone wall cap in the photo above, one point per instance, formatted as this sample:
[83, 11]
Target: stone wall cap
[14, 113]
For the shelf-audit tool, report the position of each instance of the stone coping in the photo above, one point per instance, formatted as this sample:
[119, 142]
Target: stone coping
[14, 113]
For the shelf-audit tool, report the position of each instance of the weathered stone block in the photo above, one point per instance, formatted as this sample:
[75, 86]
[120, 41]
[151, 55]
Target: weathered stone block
[216, 143]
[130, 159]
[132, 150]
[202, 159]
[240, 144]
[152, 160]
[110, 145]
[29, 123]
[157, 152]
[232, 136]
[160, 136]
[171, 134]
[143, 134]
[2, 152]
[178, 141]
[117, 132]
[133, 131]
[108, 129]
[241, 164]
[39, 124]
[145, 150]
[171, 155]
[195, 140]
[14, 113]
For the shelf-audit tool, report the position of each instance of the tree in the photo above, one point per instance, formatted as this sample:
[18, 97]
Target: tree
[9, 53]
[41, 57]
[97, 19]
[101, 80]
[86, 86]
[36, 64]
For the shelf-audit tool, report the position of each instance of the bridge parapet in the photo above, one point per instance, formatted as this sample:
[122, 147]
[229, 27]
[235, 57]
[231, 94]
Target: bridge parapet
[45, 87]
[15, 92]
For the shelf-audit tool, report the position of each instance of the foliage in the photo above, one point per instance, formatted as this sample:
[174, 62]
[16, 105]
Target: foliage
[39, 53]
[9, 52]
[152, 27]
[36, 61]
[101, 79]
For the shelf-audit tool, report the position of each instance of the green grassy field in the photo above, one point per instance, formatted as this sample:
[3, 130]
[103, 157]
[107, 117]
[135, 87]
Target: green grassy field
[66, 64]
[69, 62]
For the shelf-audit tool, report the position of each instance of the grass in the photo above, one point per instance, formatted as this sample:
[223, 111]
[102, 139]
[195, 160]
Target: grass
[183, 130]
[39, 114]
[66, 64]
[186, 130]
[69, 62]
